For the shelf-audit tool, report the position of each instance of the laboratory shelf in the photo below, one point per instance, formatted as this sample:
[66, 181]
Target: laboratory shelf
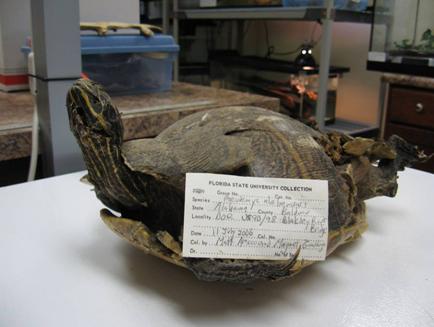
[352, 128]
[327, 15]
[274, 13]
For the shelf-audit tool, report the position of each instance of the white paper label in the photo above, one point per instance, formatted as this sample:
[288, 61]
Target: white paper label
[208, 3]
[238, 217]
[377, 56]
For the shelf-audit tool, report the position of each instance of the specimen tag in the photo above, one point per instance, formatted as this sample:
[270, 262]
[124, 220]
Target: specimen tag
[241, 217]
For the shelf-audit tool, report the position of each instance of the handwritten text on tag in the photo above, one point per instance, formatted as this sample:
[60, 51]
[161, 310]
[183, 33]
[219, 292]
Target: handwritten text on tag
[241, 217]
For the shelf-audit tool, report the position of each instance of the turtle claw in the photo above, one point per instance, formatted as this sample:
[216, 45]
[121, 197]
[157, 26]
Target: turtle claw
[169, 242]
[86, 180]
[149, 30]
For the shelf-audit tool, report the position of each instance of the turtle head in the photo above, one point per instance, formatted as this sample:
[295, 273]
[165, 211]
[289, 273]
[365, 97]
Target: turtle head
[90, 109]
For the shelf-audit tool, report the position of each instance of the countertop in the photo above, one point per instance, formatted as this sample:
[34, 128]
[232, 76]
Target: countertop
[60, 266]
[143, 115]
[409, 80]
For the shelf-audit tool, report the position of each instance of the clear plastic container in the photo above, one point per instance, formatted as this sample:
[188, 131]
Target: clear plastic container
[227, 3]
[298, 91]
[295, 3]
[129, 64]
[357, 5]
[402, 37]
[354, 5]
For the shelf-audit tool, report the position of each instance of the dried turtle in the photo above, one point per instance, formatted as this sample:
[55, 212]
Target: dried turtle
[144, 179]
[102, 28]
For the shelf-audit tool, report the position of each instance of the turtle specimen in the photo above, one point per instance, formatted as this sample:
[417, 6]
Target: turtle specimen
[144, 179]
[101, 28]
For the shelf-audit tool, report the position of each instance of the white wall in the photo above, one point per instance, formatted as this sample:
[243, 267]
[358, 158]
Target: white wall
[358, 91]
[1, 44]
[358, 94]
[110, 10]
[405, 16]
[15, 27]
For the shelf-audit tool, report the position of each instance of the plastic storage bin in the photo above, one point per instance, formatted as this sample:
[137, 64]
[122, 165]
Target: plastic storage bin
[402, 37]
[355, 5]
[295, 3]
[129, 64]
[195, 4]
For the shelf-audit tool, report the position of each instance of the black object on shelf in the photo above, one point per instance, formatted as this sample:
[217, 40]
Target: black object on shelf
[295, 84]
[305, 58]
[276, 13]
[408, 69]
[232, 58]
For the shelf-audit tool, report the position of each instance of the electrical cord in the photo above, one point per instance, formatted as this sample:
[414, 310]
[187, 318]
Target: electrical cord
[312, 34]
[35, 145]
[35, 126]
[246, 29]
[270, 48]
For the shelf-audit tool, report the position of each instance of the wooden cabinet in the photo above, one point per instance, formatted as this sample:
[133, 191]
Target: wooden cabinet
[410, 114]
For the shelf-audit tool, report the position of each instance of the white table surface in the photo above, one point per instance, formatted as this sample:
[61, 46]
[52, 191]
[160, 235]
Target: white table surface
[61, 266]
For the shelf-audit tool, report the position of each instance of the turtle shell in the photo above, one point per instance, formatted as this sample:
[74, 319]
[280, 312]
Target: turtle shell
[246, 141]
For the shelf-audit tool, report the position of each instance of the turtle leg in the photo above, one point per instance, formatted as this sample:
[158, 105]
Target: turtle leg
[241, 271]
[145, 29]
[406, 155]
[139, 235]
[374, 164]
[101, 28]
[381, 179]
[169, 242]
[373, 181]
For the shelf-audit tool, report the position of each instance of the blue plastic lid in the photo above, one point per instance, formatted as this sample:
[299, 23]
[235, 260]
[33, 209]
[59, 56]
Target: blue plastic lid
[26, 49]
[119, 43]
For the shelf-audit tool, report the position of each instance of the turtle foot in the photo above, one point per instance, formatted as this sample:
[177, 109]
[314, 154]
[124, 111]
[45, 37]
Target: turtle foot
[374, 164]
[406, 155]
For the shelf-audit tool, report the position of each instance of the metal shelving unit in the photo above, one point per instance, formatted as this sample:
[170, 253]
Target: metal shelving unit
[351, 127]
[273, 13]
[326, 14]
